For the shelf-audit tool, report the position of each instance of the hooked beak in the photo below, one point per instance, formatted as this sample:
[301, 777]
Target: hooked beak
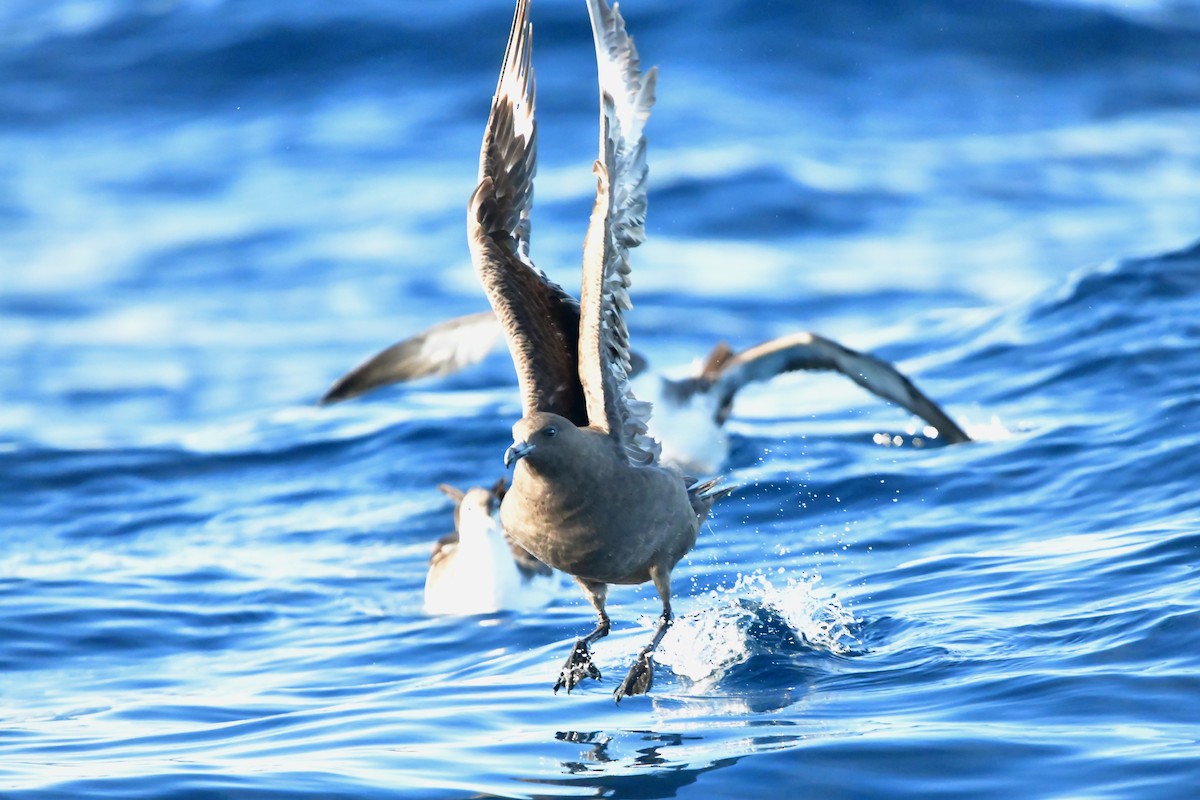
[518, 451]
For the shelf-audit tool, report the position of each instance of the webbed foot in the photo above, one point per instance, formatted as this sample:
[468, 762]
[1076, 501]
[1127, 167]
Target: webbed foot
[579, 666]
[640, 677]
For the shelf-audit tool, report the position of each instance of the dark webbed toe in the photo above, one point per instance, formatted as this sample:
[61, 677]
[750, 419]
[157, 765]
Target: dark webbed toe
[639, 680]
[579, 666]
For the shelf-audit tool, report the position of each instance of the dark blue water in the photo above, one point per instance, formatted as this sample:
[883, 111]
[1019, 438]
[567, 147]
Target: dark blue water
[209, 588]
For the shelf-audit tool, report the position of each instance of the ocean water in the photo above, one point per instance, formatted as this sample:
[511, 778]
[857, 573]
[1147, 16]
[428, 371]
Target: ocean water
[210, 588]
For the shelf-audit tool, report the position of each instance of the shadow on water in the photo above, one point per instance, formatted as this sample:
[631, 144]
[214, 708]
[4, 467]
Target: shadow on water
[649, 769]
[646, 764]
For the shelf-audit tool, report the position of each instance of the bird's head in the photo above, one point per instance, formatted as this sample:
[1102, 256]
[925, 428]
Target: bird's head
[540, 439]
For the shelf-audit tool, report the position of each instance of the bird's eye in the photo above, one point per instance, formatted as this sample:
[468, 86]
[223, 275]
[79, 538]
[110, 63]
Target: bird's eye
[551, 432]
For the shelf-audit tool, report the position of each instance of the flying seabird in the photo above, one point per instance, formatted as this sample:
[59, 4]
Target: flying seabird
[588, 495]
[477, 569]
[689, 413]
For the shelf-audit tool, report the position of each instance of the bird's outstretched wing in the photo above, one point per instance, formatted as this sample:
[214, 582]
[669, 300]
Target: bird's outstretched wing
[617, 226]
[540, 321]
[809, 351]
[441, 349]
[438, 350]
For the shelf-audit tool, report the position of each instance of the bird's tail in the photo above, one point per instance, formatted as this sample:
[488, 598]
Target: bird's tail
[704, 493]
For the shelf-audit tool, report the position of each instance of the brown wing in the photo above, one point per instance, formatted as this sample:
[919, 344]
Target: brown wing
[810, 351]
[540, 320]
[617, 226]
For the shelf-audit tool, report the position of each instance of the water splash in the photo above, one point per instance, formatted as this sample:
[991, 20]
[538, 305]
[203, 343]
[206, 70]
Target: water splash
[754, 617]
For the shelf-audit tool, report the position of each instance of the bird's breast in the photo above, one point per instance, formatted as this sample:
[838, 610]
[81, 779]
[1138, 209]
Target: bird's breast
[608, 532]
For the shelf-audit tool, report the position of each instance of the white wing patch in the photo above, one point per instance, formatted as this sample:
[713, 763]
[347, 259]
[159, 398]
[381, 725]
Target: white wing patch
[467, 344]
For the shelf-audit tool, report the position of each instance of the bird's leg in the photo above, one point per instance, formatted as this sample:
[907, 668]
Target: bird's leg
[579, 664]
[641, 674]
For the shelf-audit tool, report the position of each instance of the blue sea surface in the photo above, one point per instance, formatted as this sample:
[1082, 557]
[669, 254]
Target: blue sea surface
[212, 588]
